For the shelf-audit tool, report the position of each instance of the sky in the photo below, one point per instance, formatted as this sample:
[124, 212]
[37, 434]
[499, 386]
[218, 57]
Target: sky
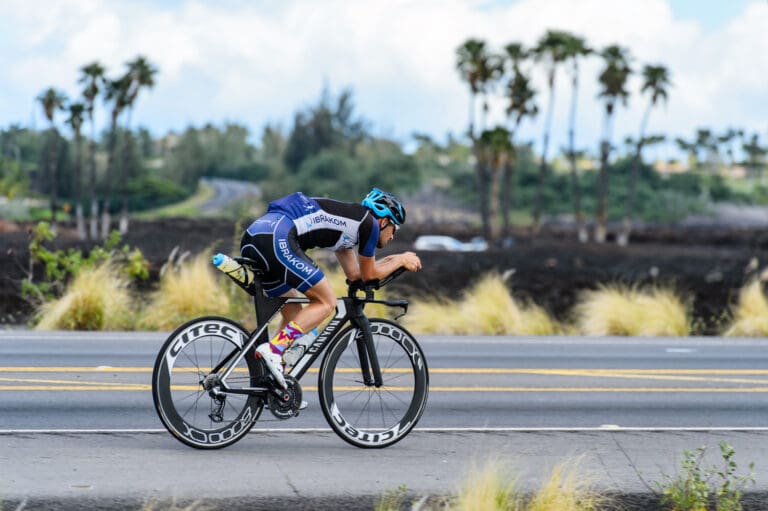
[257, 61]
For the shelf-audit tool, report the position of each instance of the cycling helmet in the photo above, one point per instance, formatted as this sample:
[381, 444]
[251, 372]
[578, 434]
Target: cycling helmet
[385, 205]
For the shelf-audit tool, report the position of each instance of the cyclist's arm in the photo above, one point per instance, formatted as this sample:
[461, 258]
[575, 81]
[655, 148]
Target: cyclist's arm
[348, 262]
[373, 269]
[368, 268]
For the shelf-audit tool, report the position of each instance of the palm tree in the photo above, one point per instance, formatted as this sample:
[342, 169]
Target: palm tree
[478, 67]
[116, 93]
[551, 49]
[655, 81]
[52, 101]
[691, 149]
[521, 105]
[140, 74]
[75, 121]
[93, 77]
[575, 49]
[706, 141]
[755, 154]
[496, 150]
[613, 80]
[472, 57]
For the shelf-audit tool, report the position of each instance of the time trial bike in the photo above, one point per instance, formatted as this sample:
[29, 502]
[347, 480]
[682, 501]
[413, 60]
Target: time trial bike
[209, 388]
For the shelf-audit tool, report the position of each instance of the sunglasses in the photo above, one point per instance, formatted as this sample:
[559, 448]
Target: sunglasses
[393, 224]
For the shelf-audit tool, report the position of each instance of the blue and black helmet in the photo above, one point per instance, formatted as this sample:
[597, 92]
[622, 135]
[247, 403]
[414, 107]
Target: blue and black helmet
[385, 205]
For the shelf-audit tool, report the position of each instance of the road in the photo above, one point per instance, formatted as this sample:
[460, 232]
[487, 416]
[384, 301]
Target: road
[101, 381]
[76, 410]
[228, 191]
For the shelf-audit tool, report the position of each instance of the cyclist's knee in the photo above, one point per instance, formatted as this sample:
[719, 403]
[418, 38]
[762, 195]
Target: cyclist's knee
[322, 295]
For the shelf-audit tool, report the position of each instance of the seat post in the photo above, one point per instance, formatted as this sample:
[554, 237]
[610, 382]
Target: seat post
[264, 309]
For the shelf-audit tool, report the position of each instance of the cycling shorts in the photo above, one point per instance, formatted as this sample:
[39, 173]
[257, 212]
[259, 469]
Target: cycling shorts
[272, 241]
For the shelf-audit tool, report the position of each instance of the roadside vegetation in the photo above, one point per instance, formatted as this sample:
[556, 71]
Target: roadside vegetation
[628, 310]
[101, 291]
[487, 307]
[750, 314]
[493, 487]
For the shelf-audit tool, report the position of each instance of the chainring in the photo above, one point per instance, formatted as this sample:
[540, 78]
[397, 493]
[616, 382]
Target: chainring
[286, 408]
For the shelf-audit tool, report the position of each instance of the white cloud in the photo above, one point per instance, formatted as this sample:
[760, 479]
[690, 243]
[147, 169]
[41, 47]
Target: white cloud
[242, 62]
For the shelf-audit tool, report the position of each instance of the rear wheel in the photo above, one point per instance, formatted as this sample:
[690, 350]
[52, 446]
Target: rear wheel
[185, 390]
[365, 415]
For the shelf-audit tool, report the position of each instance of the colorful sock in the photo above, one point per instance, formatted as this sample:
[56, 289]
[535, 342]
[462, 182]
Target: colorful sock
[285, 337]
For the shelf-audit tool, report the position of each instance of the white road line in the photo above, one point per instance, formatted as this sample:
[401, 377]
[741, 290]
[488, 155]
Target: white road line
[609, 428]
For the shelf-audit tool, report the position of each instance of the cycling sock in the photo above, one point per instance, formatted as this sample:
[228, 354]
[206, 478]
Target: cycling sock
[285, 338]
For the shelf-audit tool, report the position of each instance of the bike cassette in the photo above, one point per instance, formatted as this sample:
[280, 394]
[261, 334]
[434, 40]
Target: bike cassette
[287, 404]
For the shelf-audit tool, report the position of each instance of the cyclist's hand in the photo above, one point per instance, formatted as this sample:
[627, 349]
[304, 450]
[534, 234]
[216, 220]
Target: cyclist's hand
[410, 261]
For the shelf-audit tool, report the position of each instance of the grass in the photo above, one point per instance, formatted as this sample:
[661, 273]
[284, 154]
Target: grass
[493, 487]
[628, 310]
[486, 308]
[566, 490]
[750, 315]
[97, 299]
[186, 292]
[488, 489]
[189, 207]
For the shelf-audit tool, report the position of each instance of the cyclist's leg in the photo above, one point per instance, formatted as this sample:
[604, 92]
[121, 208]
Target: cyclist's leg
[322, 301]
[290, 310]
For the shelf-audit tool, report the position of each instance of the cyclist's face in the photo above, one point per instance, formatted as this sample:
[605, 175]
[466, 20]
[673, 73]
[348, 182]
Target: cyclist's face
[387, 231]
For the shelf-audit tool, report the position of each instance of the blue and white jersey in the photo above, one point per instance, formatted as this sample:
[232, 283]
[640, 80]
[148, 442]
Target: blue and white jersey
[328, 223]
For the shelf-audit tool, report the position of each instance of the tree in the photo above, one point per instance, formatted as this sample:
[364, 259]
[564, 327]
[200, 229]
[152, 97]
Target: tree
[93, 78]
[140, 75]
[52, 101]
[521, 105]
[755, 154]
[116, 92]
[551, 49]
[655, 82]
[75, 121]
[613, 81]
[575, 49]
[496, 150]
[478, 68]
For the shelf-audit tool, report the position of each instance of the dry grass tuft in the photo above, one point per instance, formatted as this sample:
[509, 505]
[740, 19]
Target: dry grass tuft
[486, 308]
[624, 310]
[566, 490]
[750, 316]
[492, 489]
[185, 293]
[97, 299]
[489, 489]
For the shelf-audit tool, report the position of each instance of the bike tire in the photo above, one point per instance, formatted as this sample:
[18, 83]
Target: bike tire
[185, 408]
[366, 416]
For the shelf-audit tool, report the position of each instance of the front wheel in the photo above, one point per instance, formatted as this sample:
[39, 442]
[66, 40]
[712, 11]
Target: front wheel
[365, 415]
[184, 384]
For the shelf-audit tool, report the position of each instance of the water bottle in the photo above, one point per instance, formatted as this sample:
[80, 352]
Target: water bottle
[232, 268]
[298, 348]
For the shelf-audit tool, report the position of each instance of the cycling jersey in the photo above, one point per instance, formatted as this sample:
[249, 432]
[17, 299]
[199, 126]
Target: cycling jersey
[296, 223]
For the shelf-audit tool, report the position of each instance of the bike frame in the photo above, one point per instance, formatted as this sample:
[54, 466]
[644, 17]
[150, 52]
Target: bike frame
[348, 309]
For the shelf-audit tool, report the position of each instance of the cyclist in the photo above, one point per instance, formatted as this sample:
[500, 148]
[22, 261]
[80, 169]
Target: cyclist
[296, 223]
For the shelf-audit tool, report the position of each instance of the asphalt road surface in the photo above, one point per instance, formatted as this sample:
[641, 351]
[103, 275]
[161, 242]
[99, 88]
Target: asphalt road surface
[77, 421]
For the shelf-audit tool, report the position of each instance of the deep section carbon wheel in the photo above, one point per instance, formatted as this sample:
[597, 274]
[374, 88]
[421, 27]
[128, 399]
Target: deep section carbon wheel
[365, 415]
[187, 393]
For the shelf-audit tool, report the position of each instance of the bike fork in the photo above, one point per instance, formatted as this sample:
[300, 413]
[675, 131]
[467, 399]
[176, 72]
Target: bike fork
[369, 360]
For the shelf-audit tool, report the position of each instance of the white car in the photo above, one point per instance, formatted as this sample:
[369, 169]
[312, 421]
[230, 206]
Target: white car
[436, 242]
